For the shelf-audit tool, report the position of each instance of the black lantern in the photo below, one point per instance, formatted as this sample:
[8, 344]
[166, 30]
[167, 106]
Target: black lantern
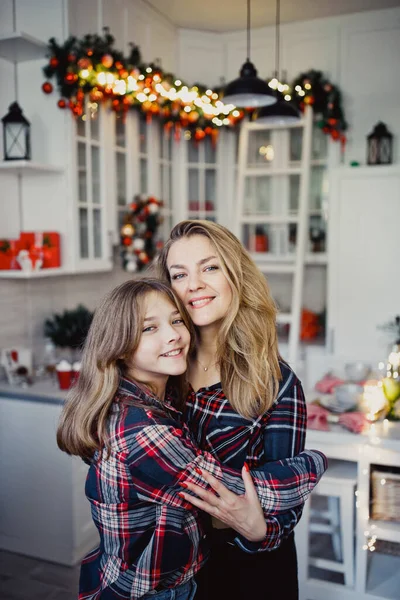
[380, 145]
[16, 134]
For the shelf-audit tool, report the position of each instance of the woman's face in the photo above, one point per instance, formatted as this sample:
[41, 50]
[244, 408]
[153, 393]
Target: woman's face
[164, 343]
[197, 278]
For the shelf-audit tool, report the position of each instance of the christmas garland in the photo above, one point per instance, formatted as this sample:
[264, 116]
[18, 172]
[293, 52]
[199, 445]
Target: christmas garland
[139, 232]
[93, 66]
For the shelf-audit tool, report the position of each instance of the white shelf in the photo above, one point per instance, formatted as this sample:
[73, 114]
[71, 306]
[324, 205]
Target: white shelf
[262, 219]
[104, 267]
[385, 530]
[316, 258]
[261, 171]
[10, 274]
[19, 47]
[21, 167]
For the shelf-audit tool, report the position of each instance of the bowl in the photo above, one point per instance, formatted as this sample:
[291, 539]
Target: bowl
[348, 395]
[356, 371]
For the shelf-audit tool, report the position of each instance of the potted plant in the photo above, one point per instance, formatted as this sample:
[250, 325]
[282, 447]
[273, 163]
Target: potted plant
[68, 330]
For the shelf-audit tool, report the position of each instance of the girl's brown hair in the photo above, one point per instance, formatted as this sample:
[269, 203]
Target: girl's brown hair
[113, 338]
[247, 348]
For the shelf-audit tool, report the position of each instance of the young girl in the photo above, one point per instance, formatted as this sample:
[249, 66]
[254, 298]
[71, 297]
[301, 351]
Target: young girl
[245, 404]
[123, 420]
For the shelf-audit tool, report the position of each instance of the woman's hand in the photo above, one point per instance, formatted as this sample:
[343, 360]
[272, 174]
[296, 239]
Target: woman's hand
[242, 513]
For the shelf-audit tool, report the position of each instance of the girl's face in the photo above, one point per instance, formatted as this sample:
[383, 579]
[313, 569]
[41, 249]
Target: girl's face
[163, 345]
[197, 278]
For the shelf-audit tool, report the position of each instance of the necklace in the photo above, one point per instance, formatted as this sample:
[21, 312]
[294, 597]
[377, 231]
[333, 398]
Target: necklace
[206, 368]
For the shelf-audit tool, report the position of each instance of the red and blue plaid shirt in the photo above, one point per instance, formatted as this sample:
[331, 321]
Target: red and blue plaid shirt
[278, 434]
[150, 538]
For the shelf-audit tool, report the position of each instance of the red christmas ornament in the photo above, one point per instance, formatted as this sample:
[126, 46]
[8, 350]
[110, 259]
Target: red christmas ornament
[126, 241]
[107, 61]
[332, 121]
[62, 103]
[144, 258]
[47, 87]
[70, 78]
[119, 65]
[199, 135]
[71, 58]
[85, 63]
[89, 52]
[54, 62]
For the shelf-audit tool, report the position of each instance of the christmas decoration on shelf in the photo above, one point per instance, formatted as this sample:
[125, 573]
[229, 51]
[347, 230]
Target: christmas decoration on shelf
[31, 252]
[314, 89]
[139, 242]
[92, 66]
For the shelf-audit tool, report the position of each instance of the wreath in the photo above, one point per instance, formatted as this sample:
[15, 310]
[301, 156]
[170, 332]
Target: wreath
[139, 242]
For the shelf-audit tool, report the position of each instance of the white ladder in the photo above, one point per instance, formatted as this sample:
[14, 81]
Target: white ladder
[247, 221]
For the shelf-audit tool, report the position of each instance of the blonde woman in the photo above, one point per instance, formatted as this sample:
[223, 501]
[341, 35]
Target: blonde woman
[245, 404]
[123, 419]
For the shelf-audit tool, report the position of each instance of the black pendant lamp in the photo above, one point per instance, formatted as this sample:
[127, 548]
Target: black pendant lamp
[282, 112]
[248, 91]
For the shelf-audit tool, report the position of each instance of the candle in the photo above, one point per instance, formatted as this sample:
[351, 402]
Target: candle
[374, 403]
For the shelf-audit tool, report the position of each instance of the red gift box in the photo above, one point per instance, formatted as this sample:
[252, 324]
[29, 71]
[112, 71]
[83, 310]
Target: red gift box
[8, 252]
[45, 246]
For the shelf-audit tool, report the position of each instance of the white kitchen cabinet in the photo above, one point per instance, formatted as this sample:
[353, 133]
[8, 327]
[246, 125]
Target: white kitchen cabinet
[43, 509]
[364, 283]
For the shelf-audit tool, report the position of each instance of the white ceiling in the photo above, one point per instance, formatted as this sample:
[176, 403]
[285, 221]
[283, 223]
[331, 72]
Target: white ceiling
[212, 15]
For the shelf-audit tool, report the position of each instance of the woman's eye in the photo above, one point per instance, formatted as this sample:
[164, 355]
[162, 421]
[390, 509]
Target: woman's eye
[150, 328]
[211, 268]
[177, 276]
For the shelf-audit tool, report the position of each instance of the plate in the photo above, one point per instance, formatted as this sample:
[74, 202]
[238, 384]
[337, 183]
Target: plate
[330, 403]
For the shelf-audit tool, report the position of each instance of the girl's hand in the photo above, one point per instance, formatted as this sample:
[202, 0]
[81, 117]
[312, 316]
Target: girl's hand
[242, 513]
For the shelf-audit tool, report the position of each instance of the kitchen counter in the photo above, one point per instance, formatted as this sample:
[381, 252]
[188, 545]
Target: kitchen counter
[41, 391]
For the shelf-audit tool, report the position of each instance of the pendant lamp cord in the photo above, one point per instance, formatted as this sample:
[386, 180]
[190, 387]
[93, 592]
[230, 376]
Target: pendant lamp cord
[248, 30]
[277, 37]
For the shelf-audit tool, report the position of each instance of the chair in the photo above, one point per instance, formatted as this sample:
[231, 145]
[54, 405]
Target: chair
[338, 484]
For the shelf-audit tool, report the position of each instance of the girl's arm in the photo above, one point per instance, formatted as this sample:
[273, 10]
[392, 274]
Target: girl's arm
[163, 456]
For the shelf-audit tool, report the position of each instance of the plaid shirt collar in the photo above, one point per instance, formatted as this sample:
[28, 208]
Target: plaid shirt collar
[143, 394]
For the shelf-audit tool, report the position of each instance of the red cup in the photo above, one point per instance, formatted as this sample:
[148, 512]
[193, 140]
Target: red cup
[74, 377]
[64, 379]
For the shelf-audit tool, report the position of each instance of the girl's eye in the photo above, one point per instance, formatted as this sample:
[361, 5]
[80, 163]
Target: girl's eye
[211, 268]
[150, 328]
[177, 276]
[177, 321]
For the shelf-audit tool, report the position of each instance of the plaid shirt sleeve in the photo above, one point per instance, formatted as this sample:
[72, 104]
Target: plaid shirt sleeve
[163, 455]
[284, 436]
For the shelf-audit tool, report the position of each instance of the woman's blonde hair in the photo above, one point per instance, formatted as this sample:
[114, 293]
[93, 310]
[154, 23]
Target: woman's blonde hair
[247, 346]
[113, 338]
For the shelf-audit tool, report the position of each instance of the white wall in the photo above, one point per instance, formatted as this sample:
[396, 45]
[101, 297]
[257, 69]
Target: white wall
[129, 21]
[360, 53]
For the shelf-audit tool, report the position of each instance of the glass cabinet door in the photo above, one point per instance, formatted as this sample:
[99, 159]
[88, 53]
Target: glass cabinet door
[165, 174]
[201, 179]
[89, 157]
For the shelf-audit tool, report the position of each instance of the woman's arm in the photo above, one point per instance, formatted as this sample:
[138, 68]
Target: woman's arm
[165, 456]
[284, 436]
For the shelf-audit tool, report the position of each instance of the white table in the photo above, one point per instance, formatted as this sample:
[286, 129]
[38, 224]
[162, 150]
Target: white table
[379, 446]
